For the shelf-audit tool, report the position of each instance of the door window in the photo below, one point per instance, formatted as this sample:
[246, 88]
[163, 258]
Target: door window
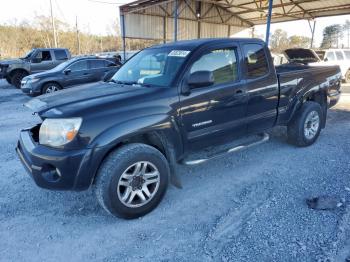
[60, 54]
[222, 62]
[78, 66]
[94, 64]
[255, 60]
[339, 55]
[330, 56]
[44, 55]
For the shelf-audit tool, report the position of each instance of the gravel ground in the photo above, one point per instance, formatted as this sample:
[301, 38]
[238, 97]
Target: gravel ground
[248, 206]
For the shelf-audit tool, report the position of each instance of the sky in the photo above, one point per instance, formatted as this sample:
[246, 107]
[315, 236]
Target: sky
[96, 17]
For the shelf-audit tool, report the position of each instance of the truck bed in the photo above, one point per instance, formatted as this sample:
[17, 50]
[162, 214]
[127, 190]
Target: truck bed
[294, 78]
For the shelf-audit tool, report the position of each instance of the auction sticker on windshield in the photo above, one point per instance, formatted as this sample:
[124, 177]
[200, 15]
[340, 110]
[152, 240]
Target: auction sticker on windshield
[179, 53]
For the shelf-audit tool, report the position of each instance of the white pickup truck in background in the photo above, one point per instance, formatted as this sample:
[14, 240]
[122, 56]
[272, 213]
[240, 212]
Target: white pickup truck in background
[340, 57]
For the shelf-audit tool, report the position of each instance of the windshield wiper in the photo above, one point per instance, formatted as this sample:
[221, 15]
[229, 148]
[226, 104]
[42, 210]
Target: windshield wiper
[131, 83]
[124, 82]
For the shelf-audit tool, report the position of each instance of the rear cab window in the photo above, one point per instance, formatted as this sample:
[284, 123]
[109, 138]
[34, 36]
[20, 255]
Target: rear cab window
[60, 54]
[255, 60]
[221, 62]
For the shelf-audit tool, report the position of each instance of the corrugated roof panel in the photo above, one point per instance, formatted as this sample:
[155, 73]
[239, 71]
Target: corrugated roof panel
[217, 15]
[210, 30]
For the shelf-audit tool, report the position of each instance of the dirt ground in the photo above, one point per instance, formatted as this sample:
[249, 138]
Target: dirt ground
[248, 206]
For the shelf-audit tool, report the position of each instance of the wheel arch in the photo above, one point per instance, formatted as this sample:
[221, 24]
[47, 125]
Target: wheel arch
[319, 97]
[164, 137]
[15, 70]
[316, 95]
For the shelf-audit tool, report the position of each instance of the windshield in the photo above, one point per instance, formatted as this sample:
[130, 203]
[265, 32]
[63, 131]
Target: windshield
[154, 67]
[28, 55]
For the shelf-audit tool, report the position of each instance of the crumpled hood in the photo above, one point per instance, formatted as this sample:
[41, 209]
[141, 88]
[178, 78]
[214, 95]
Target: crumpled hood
[11, 61]
[86, 96]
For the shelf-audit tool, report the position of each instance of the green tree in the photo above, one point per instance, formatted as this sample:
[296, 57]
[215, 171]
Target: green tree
[331, 36]
[299, 41]
[279, 41]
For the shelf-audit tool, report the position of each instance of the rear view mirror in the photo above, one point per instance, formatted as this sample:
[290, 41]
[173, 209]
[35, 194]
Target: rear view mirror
[201, 79]
[67, 71]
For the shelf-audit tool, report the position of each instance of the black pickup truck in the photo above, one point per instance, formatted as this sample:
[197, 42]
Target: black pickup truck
[125, 138]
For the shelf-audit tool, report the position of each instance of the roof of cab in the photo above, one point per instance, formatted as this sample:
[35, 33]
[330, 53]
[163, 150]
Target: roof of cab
[196, 43]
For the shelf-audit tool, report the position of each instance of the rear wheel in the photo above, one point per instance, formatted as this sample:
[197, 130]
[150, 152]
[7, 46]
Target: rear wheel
[305, 128]
[132, 180]
[51, 88]
[347, 77]
[17, 77]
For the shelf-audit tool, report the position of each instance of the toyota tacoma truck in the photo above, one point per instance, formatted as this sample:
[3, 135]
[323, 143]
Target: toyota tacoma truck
[125, 138]
[35, 61]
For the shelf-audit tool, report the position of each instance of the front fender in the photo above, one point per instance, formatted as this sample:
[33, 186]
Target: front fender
[161, 123]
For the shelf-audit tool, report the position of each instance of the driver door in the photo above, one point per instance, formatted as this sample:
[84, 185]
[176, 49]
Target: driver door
[78, 73]
[45, 61]
[215, 114]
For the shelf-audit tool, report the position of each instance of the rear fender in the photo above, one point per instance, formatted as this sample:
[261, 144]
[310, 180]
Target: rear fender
[314, 94]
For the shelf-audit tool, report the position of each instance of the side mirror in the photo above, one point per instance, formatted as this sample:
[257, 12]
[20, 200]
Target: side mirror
[200, 79]
[36, 60]
[67, 71]
[325, 59]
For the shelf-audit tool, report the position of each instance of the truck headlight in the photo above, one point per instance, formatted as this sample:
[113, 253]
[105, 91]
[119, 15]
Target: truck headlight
[58, 131]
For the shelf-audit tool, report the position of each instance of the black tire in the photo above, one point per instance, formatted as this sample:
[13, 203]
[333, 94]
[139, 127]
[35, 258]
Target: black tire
[8, 79]
[347, 77]
[296, 127]
[54, 87]
[106, 184]
[17, 77]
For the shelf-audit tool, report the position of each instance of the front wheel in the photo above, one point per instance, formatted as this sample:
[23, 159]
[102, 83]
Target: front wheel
[17, 77]
[50, 88]
[305, 127]
[132, 180]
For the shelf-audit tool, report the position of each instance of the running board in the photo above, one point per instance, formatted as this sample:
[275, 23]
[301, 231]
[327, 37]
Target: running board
[263, 137]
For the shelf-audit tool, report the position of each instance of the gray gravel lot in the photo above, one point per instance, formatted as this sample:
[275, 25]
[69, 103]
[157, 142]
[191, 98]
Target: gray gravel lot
[248, 206]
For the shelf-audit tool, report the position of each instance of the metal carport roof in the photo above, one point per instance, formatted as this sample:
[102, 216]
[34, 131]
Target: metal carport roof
[169, 20]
